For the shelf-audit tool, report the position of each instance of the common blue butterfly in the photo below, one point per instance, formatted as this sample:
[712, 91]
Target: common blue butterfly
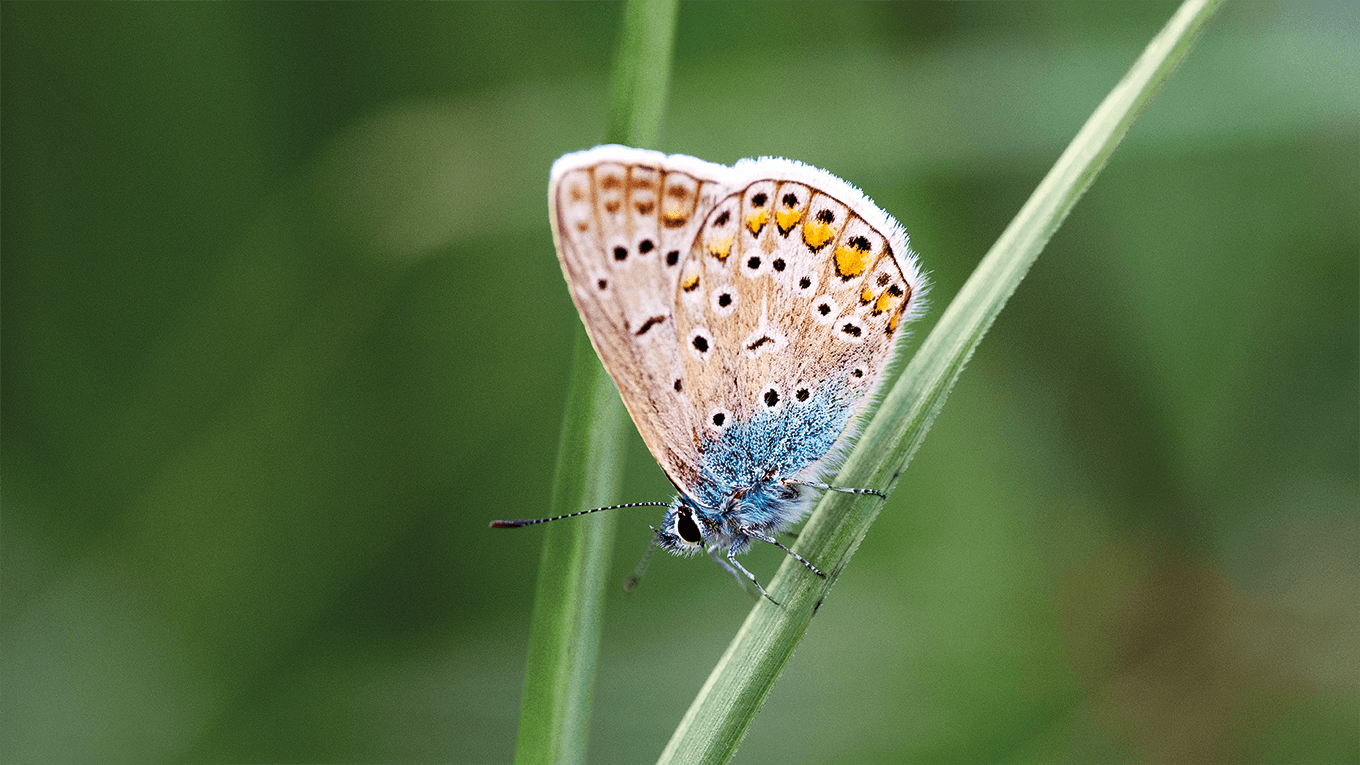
[746, 314]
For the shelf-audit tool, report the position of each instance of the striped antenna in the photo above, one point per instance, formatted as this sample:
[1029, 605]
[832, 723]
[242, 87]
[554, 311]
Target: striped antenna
[517, 524]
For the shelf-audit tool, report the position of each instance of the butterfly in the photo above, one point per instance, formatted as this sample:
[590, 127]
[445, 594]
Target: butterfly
[746, 314]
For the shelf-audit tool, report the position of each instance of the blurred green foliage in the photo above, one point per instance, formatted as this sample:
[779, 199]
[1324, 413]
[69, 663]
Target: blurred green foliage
[282, 330]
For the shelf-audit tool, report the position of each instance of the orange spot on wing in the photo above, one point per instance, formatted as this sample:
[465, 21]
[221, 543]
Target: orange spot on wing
[787, 219]
[851, 261]
[885, 301]
[816, 234]
[756, 221]
[720, 248]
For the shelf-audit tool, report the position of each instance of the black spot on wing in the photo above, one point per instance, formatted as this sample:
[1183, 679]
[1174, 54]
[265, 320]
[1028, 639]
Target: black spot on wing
[646, 325]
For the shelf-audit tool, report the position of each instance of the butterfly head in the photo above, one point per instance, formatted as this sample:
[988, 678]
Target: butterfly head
[684, 529]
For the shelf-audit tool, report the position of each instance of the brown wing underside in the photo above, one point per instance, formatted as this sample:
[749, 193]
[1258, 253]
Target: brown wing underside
[703, 299]
[622, 233]
[785, 288]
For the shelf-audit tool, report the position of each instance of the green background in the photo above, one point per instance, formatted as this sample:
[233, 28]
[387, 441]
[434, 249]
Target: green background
[283, 330]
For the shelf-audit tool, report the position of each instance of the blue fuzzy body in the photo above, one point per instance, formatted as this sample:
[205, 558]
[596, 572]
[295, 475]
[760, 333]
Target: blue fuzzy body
[748, 476]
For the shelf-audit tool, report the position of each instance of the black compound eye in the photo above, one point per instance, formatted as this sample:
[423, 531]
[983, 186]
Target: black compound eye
[687, 528]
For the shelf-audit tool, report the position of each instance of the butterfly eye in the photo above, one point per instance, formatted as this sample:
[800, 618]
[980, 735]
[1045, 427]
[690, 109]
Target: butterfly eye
[687, 529]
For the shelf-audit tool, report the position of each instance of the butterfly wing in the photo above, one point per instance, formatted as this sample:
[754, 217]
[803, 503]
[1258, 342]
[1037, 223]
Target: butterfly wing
[795, 290]
[623, 222]
[714, 294]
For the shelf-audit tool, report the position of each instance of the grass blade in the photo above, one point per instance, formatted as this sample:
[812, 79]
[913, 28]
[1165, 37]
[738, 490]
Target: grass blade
[718, 718]
[564, 637]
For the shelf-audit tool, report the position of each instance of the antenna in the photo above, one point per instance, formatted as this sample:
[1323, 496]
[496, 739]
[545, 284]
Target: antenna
[517, 524]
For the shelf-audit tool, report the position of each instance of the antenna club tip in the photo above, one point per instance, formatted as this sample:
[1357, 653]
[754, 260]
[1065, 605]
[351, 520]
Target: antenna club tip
[506, 524]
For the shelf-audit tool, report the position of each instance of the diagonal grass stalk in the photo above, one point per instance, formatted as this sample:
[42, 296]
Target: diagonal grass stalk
[564, 637]
[719, 716]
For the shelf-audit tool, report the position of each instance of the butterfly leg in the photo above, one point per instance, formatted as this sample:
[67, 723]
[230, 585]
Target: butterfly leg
[737, 570]
[776, 543]
[842, 489]
[641, 568]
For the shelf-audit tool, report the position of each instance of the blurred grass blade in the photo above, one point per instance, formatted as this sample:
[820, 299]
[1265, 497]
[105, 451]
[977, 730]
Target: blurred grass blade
[719, 716]
[642, 71]
[564, 638]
